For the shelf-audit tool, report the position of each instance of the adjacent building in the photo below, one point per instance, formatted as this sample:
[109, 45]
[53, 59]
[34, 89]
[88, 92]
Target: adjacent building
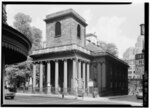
[134, 57]
[69, 63]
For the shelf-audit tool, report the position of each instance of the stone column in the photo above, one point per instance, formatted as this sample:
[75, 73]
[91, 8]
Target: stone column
[65, 76]
[88, 76]
[104, 75]
[34, 77]
[79, 73]
[41, 77]
[74, 75]
[56, 76]
[99, 77]
[30, 84]
[83, 76]
[48, 77]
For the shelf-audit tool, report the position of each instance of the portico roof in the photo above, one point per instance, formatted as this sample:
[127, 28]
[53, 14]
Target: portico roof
[57, 49]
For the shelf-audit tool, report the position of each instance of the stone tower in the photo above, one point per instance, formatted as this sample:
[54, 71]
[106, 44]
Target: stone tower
[65, 28]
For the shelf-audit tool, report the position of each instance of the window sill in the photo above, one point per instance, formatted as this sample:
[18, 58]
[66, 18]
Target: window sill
[57, 36]
[79, 38]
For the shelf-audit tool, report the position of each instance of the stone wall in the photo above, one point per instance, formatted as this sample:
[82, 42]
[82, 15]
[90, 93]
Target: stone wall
[68, 33]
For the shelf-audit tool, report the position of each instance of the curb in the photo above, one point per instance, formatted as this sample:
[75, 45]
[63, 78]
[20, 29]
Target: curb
[117, 96]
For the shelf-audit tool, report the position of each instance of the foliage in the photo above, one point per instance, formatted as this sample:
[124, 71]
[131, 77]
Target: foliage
[36, 36]
[129, 53]
[109, 47]
[20, 73]
[22, 23]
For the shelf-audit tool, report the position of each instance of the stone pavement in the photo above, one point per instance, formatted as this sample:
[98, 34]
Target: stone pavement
[104, 99]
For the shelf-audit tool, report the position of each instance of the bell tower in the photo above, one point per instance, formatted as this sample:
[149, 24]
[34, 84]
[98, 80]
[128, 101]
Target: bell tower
[65, 28]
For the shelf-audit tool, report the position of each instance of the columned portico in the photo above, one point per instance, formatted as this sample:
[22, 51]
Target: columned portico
[72, 73]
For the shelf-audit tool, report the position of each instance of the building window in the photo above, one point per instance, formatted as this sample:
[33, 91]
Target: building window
[78, 31]
[57, 29]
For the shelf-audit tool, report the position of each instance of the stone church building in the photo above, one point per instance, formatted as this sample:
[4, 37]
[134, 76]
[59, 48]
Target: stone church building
[71, 63]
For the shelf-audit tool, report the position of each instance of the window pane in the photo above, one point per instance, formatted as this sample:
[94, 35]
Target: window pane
[58, 29]
[78, 31]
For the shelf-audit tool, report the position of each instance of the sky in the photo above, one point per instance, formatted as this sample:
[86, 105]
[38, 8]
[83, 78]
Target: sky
[118, 24]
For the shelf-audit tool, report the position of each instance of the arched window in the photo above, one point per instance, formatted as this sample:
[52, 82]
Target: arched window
[78, 31]
[57, 29]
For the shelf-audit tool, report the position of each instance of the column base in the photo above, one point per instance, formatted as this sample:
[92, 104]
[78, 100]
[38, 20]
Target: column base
[30, 88]
[41, 90]
[49, 90]
[33, 91]
[56, 90]
[65, 91]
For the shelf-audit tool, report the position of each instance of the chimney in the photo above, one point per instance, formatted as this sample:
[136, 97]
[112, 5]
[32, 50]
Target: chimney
[142, 29]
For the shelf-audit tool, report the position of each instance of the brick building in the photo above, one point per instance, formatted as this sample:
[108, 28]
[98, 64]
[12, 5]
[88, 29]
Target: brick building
[69, 63]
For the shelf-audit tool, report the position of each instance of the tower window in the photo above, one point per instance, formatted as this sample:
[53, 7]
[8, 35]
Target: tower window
[57, 29]
[78, 31]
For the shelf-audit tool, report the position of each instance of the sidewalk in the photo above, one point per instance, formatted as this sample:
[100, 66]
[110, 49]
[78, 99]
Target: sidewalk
[45, 95]
[65, 96]
[113, 97]
[104, 99]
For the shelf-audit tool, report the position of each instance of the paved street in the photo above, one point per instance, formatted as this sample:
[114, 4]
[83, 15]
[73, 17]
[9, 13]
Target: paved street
[127, 100]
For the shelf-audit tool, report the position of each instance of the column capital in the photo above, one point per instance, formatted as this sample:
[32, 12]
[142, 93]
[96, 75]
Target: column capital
[41, 62]
[89, 63]
[56, 60]
[65, 59]
[75, 58]
[34, 63]
[84, 61]
[79, 60]
[48, 61]
[101, 62]
[38, 62]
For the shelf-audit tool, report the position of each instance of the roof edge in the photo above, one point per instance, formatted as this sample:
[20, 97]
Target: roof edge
[65, 13]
